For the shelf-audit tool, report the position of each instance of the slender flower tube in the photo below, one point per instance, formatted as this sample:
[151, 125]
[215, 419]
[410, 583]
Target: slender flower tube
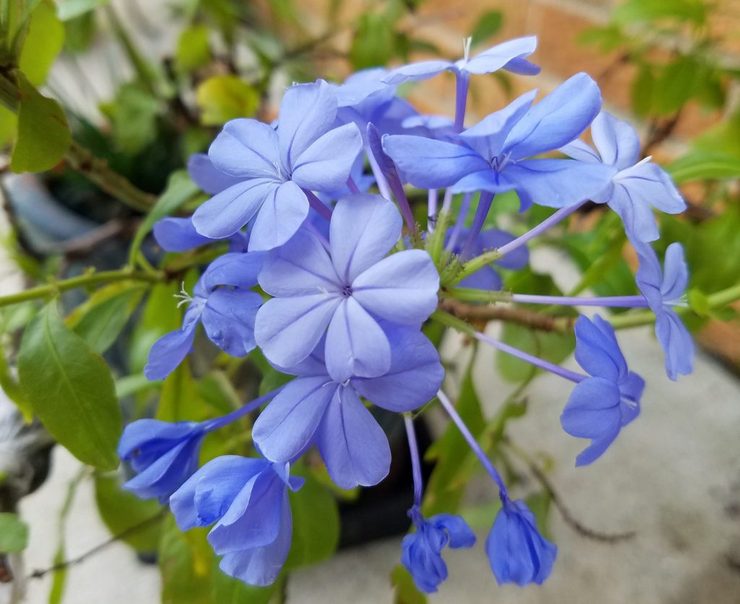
[615, 301]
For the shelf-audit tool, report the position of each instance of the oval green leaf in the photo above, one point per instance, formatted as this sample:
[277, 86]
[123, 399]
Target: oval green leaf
[70, 389]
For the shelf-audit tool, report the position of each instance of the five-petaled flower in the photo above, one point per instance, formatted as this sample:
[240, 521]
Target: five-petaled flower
[663, 290]
[223, 301]
[600, 405]
[318, 409]
[344, 289]
[637, 185]
[277, 169]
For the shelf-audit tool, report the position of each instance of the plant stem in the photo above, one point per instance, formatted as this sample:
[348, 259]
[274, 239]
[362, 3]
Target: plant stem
[415, 460]
[472, 443]
[543, 226]
[98, 172]
[43, 291]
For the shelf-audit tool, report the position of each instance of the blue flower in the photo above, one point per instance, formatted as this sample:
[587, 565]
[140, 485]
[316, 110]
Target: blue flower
[637, 186]
[342, 289]
[664, 289]
[162, 454]
[223, 302]
[246, 500]
[493, 155]
[421, 552]
[601, 405]
[316, 409]
[275, 169]
[509, 55]
[516, 550]
[207, 176]
[179, 235]
[488, 278]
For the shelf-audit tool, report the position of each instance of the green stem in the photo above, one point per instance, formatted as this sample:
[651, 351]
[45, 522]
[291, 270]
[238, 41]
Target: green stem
[714, 301]
[477, 295]
[43, 291]
[449, 320]
[437, 239]
[475, 264]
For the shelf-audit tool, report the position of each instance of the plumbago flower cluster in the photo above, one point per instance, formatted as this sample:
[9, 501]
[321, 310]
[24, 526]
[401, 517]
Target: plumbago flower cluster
[333, 283]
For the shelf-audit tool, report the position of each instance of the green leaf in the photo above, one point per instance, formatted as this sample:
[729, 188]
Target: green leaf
[13, 534]
[43, 43]
[133, 114]
[454, 461]
[186, 564]
[652, 11]
[374, 41]
[227, 590]
[102, 318]
[699, 303]
[315, 524]
[69, 9]
[121, 511]
[643, 91]
[676, 84]
[79, 33]
[225, 97]
[193, 48]
[705, 165]
[180, 400]
[70, 389]
[488, 25]
[405, 592]
[180, 188]
[43, 134]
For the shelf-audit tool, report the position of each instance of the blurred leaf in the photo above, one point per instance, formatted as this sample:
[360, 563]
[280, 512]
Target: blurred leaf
[676, 84]
[649, 11]
[315, 524]
[722, 138]
[102, 318]
[43, 43]
[79, 33]
[271, 377]
[698, 303]
[373, 42]
[453, 459]
[217, 391]
[179, 400]
[70, 389]
[160, 316]
[225, 97]
[186, 564]
[43, 134]
[8, 125]
[131, 384]
[227, 590]
[193, 49]
[405, 592]
[487, 26]
[704, 165]
[551, 346]
[607, 38]
[133, 114]
[69, 9]
[121, 511]
[643, 89]
[13, 534]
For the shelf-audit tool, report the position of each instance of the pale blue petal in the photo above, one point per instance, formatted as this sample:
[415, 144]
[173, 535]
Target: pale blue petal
[556, 183]
[234, 269]
[616, 141]
[363, 230]
[401, 288]
[422, 70]
[675, 274]
[355, 344]
[306, 113]
[414, 377]
[207, 176]
[557, 119]
[327, 163]
[501, 55]
[352, 444]
[178, 235]
[597, 350]
[168, 352]
[677, 344]
[286, 427]
[228, 211]
[458, 531]
[300, 267]
[288, 329]
[279, 217]
[228, 320]
[246, 149]
[432, 164]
